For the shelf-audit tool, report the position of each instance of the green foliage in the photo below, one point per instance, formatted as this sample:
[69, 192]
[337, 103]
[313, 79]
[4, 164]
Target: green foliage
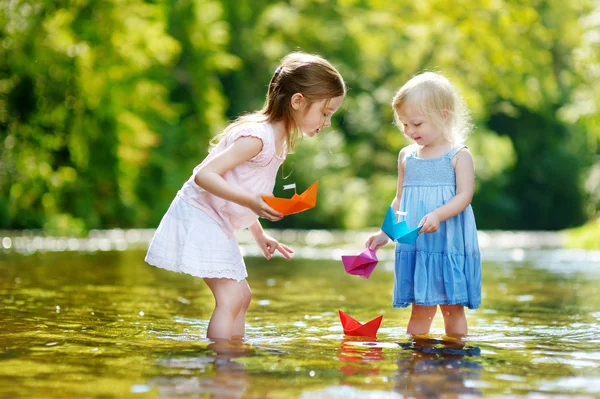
[105, 106]
[586, 236]
[79, 106]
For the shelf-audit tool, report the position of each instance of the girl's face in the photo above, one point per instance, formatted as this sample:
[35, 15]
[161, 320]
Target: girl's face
[311, 119]
[419, 127]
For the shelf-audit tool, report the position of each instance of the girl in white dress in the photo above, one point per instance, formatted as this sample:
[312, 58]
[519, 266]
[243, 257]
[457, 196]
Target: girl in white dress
[224, 192]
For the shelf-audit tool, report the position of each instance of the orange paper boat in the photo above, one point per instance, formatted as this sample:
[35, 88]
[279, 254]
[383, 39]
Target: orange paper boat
[298, 202]
[357, 329]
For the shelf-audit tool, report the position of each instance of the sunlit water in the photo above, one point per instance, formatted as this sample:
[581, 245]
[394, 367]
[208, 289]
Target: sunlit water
[106, 325]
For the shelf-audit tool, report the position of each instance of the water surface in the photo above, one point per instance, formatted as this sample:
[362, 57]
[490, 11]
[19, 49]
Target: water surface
[104, 324]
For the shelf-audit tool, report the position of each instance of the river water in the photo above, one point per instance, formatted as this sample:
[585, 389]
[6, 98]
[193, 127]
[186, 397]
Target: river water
[100, 323]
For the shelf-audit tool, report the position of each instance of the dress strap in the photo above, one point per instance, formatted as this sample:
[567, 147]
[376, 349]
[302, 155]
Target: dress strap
[411, 153]
[413, 150]
[454, 150]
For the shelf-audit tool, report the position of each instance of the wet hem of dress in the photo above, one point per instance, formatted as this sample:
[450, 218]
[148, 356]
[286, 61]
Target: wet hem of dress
[432, 303]
[156, 262]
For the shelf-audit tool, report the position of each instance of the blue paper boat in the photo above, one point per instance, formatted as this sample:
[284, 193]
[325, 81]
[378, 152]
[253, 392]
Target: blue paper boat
[399, 231]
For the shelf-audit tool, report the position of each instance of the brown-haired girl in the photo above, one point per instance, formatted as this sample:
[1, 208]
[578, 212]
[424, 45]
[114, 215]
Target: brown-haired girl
[224, 192]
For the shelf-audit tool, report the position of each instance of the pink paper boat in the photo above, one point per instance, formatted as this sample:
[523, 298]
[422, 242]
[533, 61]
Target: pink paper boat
[362, 264]
[355, 328]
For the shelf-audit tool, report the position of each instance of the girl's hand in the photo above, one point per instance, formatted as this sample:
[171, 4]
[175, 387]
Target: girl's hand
[377, 241]
[430, 223]
[269, 245]
[263, 210]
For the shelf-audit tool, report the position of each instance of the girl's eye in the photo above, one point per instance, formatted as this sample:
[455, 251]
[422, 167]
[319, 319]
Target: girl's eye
[418, 124]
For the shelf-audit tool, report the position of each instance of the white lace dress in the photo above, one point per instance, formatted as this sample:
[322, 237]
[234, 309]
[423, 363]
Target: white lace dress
[189, 241]
[195, 236]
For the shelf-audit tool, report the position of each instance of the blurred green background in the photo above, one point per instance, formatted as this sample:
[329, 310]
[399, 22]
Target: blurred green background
[107, 105]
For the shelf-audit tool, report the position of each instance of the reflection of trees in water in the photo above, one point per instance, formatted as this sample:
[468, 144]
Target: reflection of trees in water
[437, 368]
[216, 374]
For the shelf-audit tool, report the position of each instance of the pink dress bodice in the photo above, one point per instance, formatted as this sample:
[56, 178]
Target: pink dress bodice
[256, 176]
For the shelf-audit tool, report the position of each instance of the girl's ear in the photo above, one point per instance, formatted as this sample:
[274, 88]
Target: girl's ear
[297, 101]
[445, 114]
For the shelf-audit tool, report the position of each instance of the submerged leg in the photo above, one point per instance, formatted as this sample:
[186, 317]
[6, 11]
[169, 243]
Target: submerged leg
[239, 324]
[228, 302]
[420, 319]
[455, 320]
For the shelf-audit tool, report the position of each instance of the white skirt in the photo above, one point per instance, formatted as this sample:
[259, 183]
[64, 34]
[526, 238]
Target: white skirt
[189, 241]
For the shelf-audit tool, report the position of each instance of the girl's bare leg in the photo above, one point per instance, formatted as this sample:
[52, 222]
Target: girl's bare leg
[239, 324]
[228, 303]
[455, 320]
[420, 319]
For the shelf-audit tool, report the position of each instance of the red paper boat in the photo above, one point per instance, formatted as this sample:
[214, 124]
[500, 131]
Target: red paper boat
[357, 329]
[298, 202]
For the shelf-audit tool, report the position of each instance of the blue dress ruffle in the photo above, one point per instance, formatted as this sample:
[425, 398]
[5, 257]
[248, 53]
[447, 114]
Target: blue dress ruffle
[443, 267]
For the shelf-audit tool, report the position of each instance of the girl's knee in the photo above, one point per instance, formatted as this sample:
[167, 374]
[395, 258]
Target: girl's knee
[246, 299]
[452, 310]
[423, 312]
[232, 303]
[246, 294]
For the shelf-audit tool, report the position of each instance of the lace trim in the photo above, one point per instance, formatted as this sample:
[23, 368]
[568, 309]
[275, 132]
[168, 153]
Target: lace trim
[233, 274]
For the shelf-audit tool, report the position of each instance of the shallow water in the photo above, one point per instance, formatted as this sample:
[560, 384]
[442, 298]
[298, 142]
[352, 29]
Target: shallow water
[104, 324]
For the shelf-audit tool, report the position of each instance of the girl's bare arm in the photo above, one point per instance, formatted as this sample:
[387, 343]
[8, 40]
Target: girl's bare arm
[210, 176]
[465, 186]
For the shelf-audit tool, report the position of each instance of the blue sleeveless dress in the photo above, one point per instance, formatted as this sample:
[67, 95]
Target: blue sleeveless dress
[442, 267]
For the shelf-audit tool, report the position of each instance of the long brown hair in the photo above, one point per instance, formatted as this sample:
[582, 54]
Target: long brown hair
[308, 74]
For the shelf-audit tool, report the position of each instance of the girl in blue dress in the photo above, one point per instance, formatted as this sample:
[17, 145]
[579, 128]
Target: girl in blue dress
[435, 187]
